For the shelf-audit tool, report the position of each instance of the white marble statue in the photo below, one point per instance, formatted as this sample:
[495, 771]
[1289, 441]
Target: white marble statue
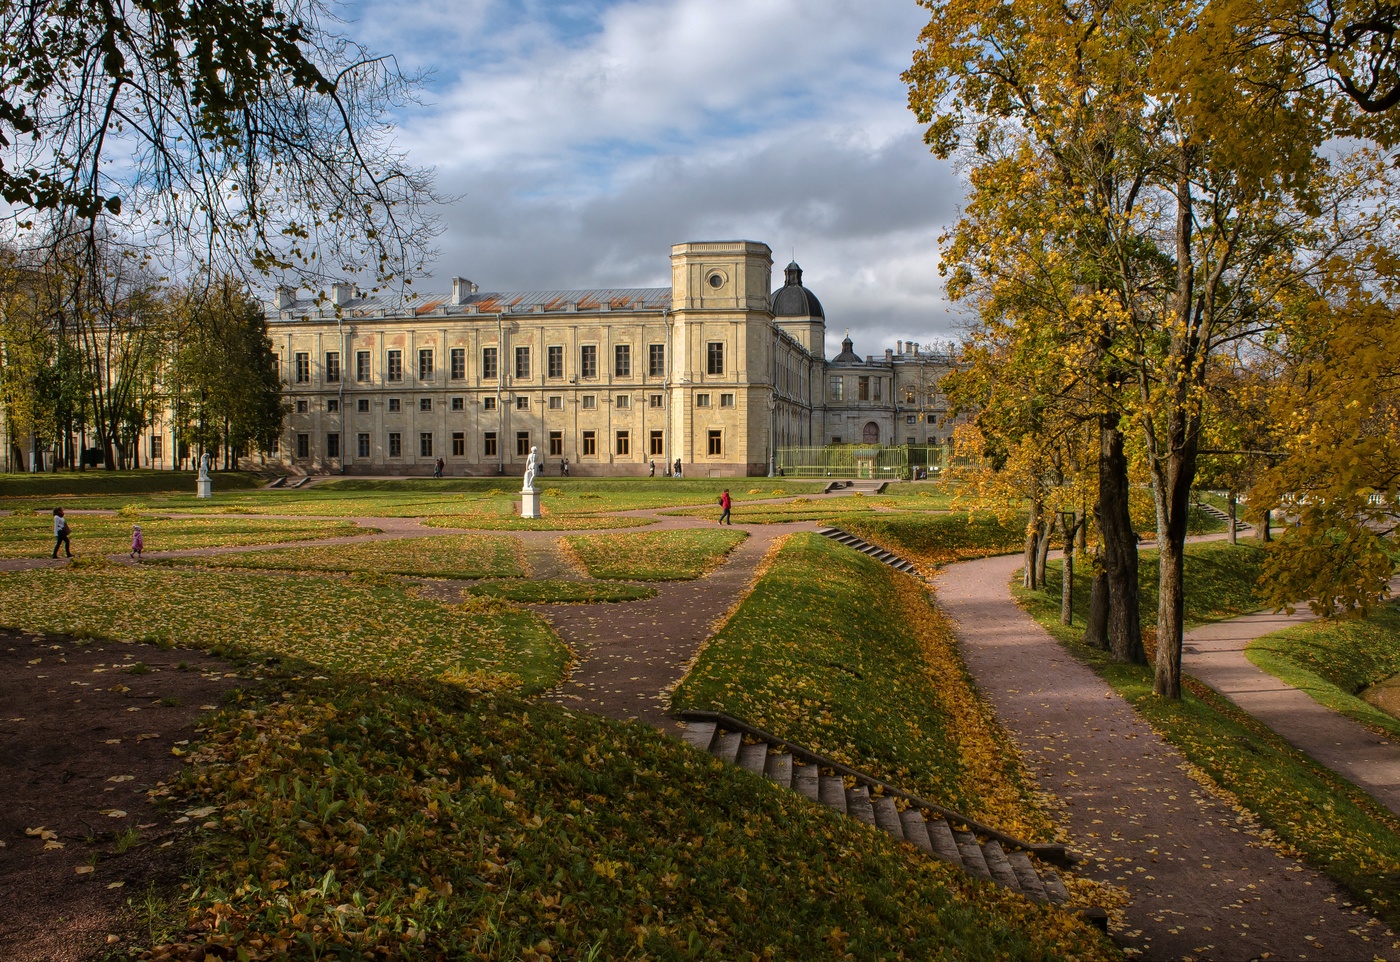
[204, 466]
[530, 469]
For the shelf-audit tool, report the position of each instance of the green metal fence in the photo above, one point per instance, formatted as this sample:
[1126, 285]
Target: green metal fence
[862, 461]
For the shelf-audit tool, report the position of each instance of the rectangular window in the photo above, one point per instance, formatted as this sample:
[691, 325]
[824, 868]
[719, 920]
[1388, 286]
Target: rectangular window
[425, 404]
[622, 360]
[425, 364]
[702, 400]
[658, 443]
[624, 442]
[394, 405]
[395, 444]
[556, 443]
[395, 366]
[488, 364]
[588, 361]
[302, 406]
[836, 440]
[156, 448]
[715, 356]
[333, 366]
[556, 402]
[488, 404]
[333, 405]
[656, 360]
[277, 366]
[556, 361]
[522, 444]
[624, 401]
[909, 395]
[875, 389]
[303, 445]
[911, 419]
[459, 444]
[656, 400]
[488, 444]
[726, 400]
[303, 367]
[362, 365]
[837, 388]
[459, 404]
[590, 444]
[362, 445]
[908, 440]
[522, 403]
[332, 445]
[276, 448]
[716, 444]
[590, 401]
[522, 362]
[362, 405]
[458, 360]
[425, 444]
[862, 389]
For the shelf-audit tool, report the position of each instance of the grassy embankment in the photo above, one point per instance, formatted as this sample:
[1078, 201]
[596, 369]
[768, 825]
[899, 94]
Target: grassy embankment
[1311, 810]
[659, 556]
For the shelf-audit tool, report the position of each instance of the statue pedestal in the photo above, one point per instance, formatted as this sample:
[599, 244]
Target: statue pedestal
[530, 504]
[204, 488]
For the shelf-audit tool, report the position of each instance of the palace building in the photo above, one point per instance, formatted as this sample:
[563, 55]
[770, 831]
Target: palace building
[719, 371]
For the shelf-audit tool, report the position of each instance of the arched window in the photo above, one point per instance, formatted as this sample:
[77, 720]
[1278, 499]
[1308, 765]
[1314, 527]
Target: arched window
[871, 434]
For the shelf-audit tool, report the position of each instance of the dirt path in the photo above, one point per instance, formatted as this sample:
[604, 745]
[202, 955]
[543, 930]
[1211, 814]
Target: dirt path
[1215, 654]
[1203, 884]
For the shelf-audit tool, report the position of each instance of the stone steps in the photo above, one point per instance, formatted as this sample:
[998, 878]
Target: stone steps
[1220, 515]
[975, 848]
[865, 547]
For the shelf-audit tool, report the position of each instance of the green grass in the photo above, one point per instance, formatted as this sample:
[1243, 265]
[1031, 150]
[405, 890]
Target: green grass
[840, 654]
[579, 522]
[931, 541]
[1334, 661]
[1220, 581]
[1335, 825]
[355, 821]
[96, 481]
[31, 535]
[446, 556]
[533, 592]
[652, 556]
[364, 624]
[798, 509]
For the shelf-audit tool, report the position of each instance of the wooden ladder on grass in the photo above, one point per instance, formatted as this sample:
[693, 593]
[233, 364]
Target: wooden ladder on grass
[977, 849]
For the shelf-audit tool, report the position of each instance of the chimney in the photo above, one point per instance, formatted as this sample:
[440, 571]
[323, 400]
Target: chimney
[889, 355]
[341, 293]
[285, 297]
[916, 348]
[899, 347]
[462, 289]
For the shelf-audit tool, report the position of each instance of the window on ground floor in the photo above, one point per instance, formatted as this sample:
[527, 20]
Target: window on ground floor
[522, 443]
[395, 444]
[590, 444]
[425, 444]
[459, 444]
[658, 442]
[624, 442]
[556, 443]
[715, 446]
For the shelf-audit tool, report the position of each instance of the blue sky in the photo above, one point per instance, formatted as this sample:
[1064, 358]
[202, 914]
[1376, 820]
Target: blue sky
[583, 138]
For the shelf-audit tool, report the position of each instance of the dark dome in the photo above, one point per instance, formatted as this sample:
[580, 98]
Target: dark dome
[794, 300]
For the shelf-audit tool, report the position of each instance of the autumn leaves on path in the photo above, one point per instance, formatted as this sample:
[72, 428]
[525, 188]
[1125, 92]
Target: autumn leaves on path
[1203, 883]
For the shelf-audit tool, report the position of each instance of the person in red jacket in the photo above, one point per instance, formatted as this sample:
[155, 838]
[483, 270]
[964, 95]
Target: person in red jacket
[725, 503]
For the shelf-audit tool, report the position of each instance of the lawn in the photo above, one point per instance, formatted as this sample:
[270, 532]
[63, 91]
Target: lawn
[356, 821]
[931, 541]
[441, 556]
[1335, 661]
[839, 653]
[364, 625]
[532, 591]
[30, 535]
[95, 481]
[798, 509]
[1334, 825]
[652, 556]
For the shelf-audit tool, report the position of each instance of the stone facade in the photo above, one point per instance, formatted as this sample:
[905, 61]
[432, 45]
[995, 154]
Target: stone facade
[718, 371]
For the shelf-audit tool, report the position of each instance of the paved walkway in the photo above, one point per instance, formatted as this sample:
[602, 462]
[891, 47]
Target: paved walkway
[1215, 655]
[1203, 885]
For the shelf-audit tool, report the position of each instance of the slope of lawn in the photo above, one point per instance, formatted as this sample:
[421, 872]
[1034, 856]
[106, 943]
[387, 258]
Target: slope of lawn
[30, 534]
[839, 653]
[931, 541]
[1333, 824]
[365, 624]
[422, 822]
[446, 556]
[652, 556]
[96, 481]
[1335, 661]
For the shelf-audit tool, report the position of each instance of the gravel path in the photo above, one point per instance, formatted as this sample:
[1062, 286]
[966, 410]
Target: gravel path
[1202, 883]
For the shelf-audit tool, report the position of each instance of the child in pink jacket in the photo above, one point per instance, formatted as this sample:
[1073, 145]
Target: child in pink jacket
[137, 542]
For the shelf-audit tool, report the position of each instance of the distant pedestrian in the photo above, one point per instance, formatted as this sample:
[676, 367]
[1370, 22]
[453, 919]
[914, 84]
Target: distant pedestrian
[61, 532]
[138, 543]
[438, 465]
[725, 504]
[653, 467]
[676, 472]
[564, 467]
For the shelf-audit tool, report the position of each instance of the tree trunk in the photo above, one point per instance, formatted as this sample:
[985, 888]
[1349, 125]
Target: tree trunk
[1172, 492]
[1230, 503]
[1042, 553]
[1033, 536]
[1119, 546]
[1096, 623]
[1067, 577]
[1264, 531]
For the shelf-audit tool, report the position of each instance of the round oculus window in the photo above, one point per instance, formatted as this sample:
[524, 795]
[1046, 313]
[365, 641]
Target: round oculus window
[716, 280]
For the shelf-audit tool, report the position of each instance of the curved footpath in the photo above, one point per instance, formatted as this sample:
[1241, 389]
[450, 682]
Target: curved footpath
[1203, 884]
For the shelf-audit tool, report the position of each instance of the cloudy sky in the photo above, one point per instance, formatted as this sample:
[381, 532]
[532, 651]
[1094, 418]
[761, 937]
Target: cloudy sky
[583, 137]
